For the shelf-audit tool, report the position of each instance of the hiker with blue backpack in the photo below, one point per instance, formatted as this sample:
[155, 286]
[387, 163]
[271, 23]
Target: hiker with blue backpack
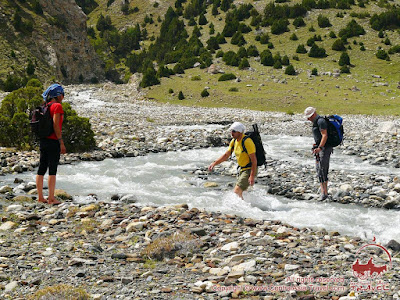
[245, 148]
[328, 133]
[49, 127]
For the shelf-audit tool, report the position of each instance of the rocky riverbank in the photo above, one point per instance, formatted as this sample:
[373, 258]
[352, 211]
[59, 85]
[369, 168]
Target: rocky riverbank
[118, 250]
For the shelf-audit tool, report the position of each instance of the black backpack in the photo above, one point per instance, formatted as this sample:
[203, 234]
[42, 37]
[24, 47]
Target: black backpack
[41, 121]
[335, 130]
[256, 138]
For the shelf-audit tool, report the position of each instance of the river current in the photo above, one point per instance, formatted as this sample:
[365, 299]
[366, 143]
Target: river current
[167, 178]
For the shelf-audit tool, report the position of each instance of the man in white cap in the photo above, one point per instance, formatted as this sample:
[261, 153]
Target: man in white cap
[321, 150]
[246, 159]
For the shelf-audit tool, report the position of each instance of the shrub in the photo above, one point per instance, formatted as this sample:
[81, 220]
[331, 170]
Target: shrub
[332, 34]
[170, 246]
[205, 93]
[285, 60]
[344, 59]
[352, 29]
[394, 49]
[170, 91]
[381, 54]
[362, 48]
[381, 34]
[295, 57]
[226, 77]
[279, 26]
[387, 41]
[77, 132]
[233, 89]
[244, 64]
[238, 39]
[277, 64]
[60, 291]
[196, 78]
[338, 45]
[345, 69]
[181, 96]
[317, 52]
[293, 37]
[252, 51]
[299, 22]
[314, 72]
[264, 38]
[231, 58]
[301, 49]
[311, 29]
[267, 58]
[323, 22]
[290, 70]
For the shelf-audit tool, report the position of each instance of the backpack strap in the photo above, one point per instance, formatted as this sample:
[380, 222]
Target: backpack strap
[245, 150]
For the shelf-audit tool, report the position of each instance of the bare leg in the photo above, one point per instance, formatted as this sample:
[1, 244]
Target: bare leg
[238, 191]
[52, 186]
[39, 187]
[324, 188]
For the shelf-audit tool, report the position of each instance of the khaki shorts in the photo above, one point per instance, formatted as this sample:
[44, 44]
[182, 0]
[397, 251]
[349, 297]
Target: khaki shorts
[243, 179]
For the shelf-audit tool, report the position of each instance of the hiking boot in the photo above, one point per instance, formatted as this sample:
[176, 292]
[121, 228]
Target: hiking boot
[323, 197]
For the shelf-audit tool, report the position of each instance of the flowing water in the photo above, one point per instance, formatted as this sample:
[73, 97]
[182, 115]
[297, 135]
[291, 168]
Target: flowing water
[163, 178]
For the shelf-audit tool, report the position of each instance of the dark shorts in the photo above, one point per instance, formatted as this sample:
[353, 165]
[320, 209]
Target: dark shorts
[49, 156]
[323, 165]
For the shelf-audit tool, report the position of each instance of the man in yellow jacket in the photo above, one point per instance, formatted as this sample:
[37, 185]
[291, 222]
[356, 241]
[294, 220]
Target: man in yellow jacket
[246, 158]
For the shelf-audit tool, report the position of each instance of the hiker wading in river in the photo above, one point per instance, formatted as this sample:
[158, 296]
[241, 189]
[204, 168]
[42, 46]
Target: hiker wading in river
[246, 161]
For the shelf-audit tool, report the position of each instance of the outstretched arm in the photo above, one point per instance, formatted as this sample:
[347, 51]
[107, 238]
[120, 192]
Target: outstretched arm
[223, 157]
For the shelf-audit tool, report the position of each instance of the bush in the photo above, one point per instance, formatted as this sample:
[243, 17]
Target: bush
[264, 38]
[196, 78]
[244, 64]
[170, 91]
[290, 70]
[344, 59]
[280, 26]
[60, 291]
[338, 45]
[314, 72]
[301, 49]
[226, 77]
[381, 54]
[267, 58]
[233, 89]
[323, 22]
[345, 69]
[231, 58]
[77, 132]
[317, 52]
[299, 22]
[181, 96]
[332, 34]
[352, 29]
[205, 93]
[252, 51]
[293, 37]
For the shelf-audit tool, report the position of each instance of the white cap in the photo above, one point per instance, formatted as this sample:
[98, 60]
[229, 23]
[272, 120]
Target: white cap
[237, 126]
[309, 111]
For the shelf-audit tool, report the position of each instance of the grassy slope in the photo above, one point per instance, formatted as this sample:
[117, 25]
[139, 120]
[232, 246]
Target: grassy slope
[327, 93]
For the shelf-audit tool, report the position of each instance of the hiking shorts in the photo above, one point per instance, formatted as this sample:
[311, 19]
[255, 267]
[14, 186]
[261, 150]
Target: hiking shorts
[323, 166]
[243, 179]
[49, 156]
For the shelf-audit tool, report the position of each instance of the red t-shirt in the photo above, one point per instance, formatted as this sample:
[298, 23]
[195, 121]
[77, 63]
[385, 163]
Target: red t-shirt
[56, 108]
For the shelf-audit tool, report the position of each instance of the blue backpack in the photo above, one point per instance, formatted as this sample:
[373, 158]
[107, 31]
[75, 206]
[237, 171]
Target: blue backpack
[335, 130]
